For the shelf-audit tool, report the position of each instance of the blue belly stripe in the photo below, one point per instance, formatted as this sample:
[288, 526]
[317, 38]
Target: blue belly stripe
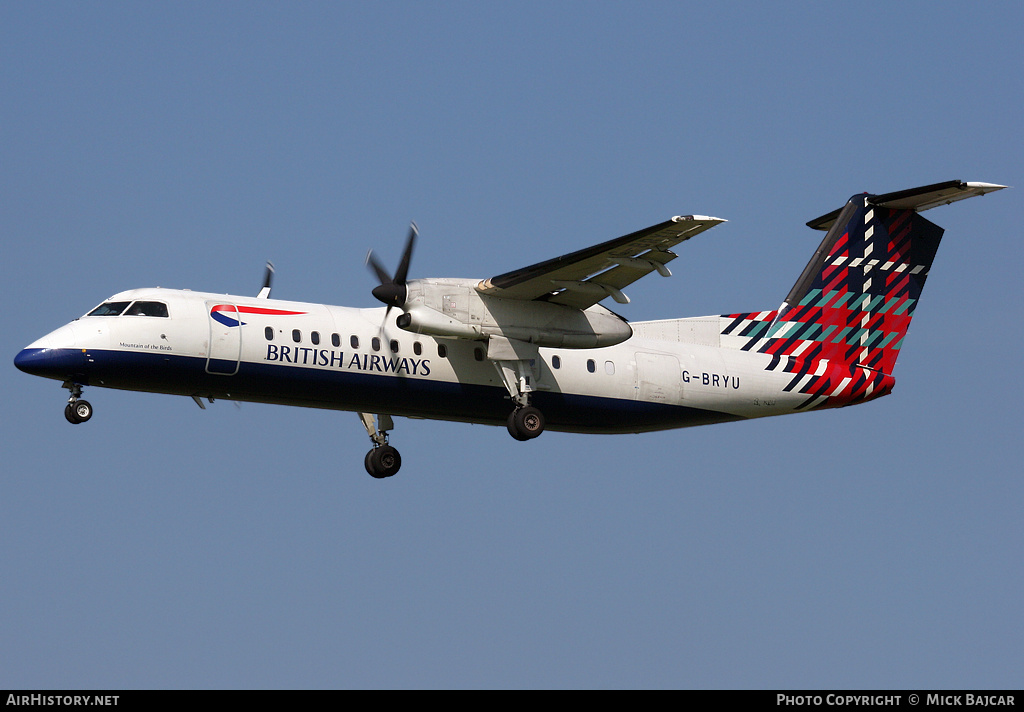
[351, 391]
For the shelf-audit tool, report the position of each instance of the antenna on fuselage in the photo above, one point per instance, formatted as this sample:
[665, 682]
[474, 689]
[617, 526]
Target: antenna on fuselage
[267, 278]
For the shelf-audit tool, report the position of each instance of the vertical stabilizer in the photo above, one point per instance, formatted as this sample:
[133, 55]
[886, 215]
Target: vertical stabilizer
[854, 301]
[842, 324]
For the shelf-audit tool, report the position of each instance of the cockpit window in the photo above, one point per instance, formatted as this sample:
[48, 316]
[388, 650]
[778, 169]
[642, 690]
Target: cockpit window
[147, 309]
[108, 309]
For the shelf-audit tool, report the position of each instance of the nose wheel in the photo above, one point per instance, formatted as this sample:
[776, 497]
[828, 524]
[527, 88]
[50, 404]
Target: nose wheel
[77, 410]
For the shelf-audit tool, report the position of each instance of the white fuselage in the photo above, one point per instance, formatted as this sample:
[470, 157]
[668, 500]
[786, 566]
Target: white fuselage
[668, 374]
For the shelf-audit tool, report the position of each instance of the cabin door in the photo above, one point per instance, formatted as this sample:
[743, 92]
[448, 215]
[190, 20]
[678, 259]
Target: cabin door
[658, 378]
[225, 339]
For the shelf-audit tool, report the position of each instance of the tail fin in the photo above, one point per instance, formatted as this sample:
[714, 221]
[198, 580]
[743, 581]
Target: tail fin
[855, 299]
[842, 325]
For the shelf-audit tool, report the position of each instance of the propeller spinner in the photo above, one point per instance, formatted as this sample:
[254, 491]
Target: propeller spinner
[392, 290]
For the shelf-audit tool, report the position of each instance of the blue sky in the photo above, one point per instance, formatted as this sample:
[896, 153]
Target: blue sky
[182, 145]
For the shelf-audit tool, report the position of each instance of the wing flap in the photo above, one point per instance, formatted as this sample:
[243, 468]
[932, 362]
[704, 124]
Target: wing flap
[585, 277]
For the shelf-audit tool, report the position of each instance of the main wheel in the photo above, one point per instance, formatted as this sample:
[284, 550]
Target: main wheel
[368, 464]
[526, 423]
[69, 413]
[510, 423]
[383, 461]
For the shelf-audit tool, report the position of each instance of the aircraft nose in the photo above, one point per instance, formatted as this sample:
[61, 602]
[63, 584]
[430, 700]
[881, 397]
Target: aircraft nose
[28, 360]
[51, 363]
[56, 355]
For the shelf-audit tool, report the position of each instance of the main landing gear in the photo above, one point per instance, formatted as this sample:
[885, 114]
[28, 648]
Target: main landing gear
[525, 422]
[77, 410]
[383, 460]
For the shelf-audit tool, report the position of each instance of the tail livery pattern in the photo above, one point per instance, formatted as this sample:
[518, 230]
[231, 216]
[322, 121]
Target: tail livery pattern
[840, 329]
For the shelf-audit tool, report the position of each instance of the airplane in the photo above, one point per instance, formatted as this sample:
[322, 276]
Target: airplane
[531, 349]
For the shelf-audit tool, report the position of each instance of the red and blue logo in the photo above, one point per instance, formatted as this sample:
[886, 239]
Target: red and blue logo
[229, 314]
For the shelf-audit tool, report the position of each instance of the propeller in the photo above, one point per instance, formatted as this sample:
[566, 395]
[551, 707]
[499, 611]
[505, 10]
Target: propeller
[268, 277]
[392, 290]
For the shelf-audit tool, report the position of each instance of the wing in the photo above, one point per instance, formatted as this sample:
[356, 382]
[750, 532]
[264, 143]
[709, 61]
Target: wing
[583, 278]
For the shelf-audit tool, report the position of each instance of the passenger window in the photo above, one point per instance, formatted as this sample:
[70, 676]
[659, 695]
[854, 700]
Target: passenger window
[269, 331]
[336, 340]
[147, 309]
[591, 366]
[417, 348]
[609, 368]
[109, 309]
[354, 340]
[394, 346]
[556, 362]
[478, 353]
[315, 338]
[296, 336]
[442, 351]
[375, 343]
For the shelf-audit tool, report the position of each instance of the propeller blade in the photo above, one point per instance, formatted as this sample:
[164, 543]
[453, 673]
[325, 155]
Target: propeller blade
[403, 267]
[375, 266]
[268, 277]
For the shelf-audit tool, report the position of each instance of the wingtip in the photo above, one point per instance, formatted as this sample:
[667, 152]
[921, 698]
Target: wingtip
[697, 218]
[983, 188]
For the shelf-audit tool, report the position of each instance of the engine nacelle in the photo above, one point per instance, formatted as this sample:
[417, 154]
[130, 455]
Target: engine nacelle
[454, 309]
[424, 320]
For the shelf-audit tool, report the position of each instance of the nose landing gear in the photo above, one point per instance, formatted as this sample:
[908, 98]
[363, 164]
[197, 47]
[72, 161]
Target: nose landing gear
[77, 410]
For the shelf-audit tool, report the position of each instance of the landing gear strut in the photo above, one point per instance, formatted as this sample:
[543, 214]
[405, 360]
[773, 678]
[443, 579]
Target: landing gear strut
[383, 460]
[77, 410]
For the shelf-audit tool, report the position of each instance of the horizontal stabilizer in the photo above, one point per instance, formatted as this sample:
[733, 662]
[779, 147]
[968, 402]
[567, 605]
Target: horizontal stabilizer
[923, 198]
